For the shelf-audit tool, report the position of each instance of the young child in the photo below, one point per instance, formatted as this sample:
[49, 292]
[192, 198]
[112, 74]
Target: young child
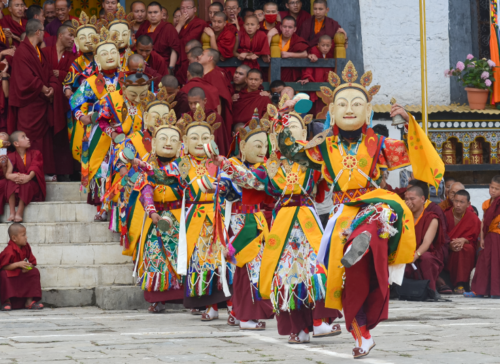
[486, 281]
[25, 178]
[19, 279]
[252, 44]
[323, 50]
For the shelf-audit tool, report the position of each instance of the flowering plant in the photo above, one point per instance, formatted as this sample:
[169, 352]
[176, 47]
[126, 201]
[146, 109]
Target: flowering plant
[477, 73]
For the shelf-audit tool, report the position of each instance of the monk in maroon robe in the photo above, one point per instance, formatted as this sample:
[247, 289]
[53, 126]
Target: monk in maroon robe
[219, 79]
[191, 51]
[25, 177]
[222, 36]
[60, 61]
[295, 9]
[195, 79]
[253, 44]
[190, 27]
[36, 101]
[250, 99]
[486, 279]
[181, 102]
[319, 24]
[19, 279]
[144, 46]
[292, 46]
[15, 22]
[429, 253]
[463, 229]
[164, 36]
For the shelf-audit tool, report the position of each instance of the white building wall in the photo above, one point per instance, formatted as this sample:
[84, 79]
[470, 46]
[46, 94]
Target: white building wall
[391, 49]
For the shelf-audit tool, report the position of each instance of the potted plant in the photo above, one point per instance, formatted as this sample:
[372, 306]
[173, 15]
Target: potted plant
[477, 77]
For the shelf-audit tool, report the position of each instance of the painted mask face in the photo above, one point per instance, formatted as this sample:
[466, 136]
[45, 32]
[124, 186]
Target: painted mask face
[124, 34]
[82, 40]
[255, 148]
[295, 126]
[350, 110]
[154, 114]
[135, 94]
[195, 138]
[167, 143]
[107, 57]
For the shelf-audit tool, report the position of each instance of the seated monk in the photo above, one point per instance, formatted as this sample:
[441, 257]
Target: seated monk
[448, 201]
[270, 18]
[250, 99]
[428, 259]
[25, 178]
[197, 96]
[19, 279]
[486, 281]
[144, 47]
[252, 44]
[222, 36]
[239, 80]
[181, 102]
[463, 229]
[181, 69]
[320, 24]
[295, 10]
[165, 40]
[195, 79]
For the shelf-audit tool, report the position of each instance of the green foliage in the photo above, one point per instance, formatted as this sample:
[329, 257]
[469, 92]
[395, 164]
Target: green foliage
[475, 73]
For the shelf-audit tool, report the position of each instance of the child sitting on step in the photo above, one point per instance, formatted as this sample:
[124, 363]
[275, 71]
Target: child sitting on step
[19, 279]
[25, 178]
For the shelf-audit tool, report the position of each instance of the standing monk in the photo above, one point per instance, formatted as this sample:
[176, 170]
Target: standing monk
[32, 99]
[138, 10]
[195, 79]
[250, 99]
[182, 68]
[232, 9]
[270, 18]
[319, 24]
[251, 44]
[190, 27]
[49, 10]
[222, 36]
[213, 9]
[463, 228]
[63, 7]
[165, 39]
[239, 80]
[110, 6]
[217, 78]
[295, 10]
[181, 99]
[14, 24]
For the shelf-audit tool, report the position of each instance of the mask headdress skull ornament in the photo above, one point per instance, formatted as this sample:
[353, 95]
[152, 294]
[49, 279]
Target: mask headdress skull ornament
[84, 24]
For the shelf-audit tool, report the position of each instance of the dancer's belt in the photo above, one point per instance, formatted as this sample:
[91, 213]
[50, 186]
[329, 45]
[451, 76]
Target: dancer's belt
[240, 208]
[340, 197]
[167, 206]
[199, 202]
[296, 201]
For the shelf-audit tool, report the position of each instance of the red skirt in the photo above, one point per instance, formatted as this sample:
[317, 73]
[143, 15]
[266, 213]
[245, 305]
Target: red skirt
[486, 279]
[172, 296]
[461, 263]
[17, 289]
[245, 308]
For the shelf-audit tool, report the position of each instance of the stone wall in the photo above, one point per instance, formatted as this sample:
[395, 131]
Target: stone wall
[391, 48]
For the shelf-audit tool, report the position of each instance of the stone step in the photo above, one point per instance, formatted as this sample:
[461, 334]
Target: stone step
[86, 276]
[69, 232]
[109, 298]
[62, 211]
[64, 191]
[78, 254]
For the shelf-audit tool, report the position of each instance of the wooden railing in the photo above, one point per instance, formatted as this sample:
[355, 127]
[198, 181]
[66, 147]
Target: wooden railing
[277, 63]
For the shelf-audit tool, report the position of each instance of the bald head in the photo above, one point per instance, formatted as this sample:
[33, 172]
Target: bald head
[196, 92]
[170, 81]
[135, 61]
[192, 44]
[15, 229]
[455, 187]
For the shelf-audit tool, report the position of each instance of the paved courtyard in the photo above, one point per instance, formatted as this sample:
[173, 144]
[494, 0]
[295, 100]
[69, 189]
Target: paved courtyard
[462, 331]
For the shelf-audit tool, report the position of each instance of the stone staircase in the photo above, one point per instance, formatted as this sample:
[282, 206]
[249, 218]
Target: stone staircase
[80, 261]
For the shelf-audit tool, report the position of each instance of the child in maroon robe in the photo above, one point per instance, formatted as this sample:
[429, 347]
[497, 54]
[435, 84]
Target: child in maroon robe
[323, 50]
[25, 178]
[4, 143]
[463, 233]
[250, 99]
[19, 279]
[319, 24]
[486, 281]
[252, 44]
